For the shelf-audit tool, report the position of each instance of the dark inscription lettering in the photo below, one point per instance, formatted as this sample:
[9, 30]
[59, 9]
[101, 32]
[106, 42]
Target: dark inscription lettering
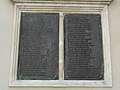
[38, 47]
[83, 47]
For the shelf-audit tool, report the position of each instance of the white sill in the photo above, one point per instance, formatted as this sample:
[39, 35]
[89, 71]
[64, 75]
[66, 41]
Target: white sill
[60, 83]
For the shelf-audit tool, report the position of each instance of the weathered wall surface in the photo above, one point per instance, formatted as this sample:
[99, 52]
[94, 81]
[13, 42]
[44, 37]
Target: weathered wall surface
[6, 28]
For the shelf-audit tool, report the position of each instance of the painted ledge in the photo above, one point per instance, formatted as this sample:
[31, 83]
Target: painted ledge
[64, 1]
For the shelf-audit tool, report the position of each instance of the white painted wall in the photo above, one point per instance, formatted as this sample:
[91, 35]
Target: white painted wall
[6, 28]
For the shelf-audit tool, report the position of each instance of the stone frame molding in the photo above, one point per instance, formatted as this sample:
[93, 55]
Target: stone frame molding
[61, 7]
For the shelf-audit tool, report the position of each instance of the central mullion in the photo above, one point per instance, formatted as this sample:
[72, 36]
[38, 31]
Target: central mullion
[61, 47]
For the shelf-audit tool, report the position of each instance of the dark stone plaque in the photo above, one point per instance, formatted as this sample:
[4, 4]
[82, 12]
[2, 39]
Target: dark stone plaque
[83, 47]
[38, 47]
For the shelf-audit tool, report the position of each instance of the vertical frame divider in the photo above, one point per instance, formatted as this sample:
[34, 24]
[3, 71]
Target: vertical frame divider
[61, 47]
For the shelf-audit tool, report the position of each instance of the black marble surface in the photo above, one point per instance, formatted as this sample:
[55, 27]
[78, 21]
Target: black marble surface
[83, 47]
[38, 47]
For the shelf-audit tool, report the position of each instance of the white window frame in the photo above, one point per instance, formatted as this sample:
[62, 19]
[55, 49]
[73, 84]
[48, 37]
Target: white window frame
[86, 7]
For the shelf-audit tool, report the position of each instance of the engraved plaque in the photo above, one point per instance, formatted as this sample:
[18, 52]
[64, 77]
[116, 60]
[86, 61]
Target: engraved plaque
[83, 47]
[38, 47]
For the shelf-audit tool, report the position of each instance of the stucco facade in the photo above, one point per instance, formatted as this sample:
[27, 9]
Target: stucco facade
[6, 32]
